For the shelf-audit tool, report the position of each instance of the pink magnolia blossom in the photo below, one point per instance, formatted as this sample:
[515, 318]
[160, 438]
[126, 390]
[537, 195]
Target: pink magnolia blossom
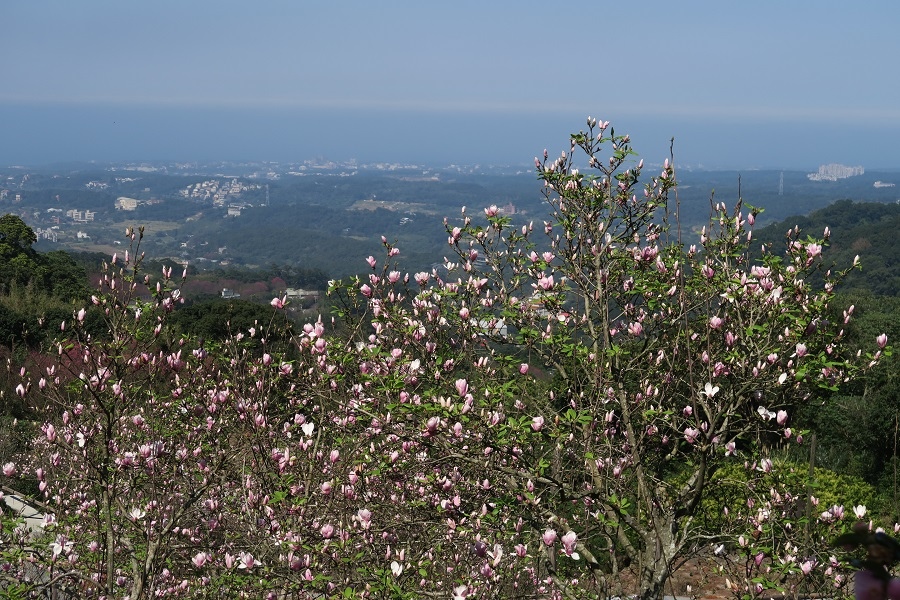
[806, 566]
[691, 434]
[568, 541]
[537, 423]
[365, 517]
[247, 561]
[9, 469]
[881, 340]
[549, 537]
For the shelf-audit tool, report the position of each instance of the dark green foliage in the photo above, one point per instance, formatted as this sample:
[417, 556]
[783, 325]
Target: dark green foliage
[37, 291]
[219, 319]
[858, 429]
[53, 273]
[63, 277]
[868, 230]
[16, 328]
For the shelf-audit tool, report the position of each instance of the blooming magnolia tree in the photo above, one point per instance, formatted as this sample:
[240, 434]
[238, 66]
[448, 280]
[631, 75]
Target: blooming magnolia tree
[143, 449]
[542, 418]
[662, 361]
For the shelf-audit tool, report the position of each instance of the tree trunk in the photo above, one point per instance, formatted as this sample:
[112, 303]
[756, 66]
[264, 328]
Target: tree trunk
[653, 578]
[656, 559]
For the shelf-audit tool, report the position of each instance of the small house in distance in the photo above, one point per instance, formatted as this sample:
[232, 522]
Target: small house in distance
[229, 293]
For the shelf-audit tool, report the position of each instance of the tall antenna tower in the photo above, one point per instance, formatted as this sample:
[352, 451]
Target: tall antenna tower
[781, 184]
[267, 194]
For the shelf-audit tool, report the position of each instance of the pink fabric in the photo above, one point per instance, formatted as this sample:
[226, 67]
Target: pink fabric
[869, 587]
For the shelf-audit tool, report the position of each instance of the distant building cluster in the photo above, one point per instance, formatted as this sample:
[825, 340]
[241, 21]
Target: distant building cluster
[46, 234]
[96, 185]
[508, 209]
[16, 198]
[300, 293]
[80, 216]
[833, 172]
[217, 191]
[126, 203]
[882, 184]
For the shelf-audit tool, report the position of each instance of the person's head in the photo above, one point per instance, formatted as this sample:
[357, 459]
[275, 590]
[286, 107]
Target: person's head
[882, 548]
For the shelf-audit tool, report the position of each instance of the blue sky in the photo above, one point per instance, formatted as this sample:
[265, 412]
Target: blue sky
[783, 84]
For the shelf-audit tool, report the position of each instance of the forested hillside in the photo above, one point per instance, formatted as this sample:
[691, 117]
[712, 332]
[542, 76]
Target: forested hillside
[864, 229]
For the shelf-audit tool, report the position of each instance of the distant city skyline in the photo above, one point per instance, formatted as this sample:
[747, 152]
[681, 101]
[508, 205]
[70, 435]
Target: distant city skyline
[761, 85]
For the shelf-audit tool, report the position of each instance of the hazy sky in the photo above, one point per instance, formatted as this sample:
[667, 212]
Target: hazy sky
[768, 83]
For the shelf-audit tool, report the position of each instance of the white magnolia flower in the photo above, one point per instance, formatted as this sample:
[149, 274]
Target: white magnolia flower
[765, 413]
[710, 390]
